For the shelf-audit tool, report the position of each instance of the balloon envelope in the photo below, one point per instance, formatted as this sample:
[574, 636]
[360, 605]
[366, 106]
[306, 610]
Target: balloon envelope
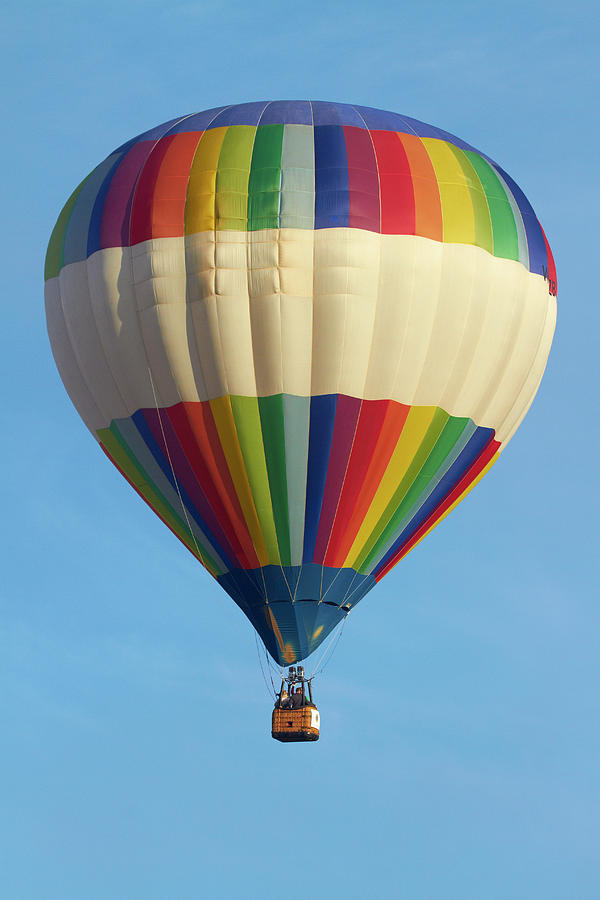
[303, 331]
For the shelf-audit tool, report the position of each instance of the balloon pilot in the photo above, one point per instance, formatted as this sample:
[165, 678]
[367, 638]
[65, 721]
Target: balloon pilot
[295, 716]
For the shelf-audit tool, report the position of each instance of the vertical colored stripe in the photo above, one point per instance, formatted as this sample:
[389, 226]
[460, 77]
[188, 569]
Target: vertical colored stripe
[462, 462]
[273, 438]
[226, 428]
[298, 177]
[195, 430]
[504, 229]
[332, 199]
[346, 418]
[202, 184]
[536, 244]
[117, 449]
[54, 253]
[363, 180]
[428, 209]
[481, 213]
[75, 245]
[296, 413]
[160, 438]
[432, 454]
[116, 212]
[396, 184]
[159, 199]
[248, 427]
[379, 427]
[457, 208]
[265, 178]
[422, 427]
[465, 485]
[322, 421]
[232, 178]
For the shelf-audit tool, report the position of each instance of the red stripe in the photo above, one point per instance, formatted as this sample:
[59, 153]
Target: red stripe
[344, 430]
[196, 429]
[363, 181]
[116, 212]
[159, 200]
[397, 193]
[469, 476]
[552, 285]
[379, 426]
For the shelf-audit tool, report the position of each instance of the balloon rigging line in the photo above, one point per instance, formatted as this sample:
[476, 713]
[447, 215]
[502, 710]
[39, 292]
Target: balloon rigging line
[162, 430]
[261, 667]
[335, 636]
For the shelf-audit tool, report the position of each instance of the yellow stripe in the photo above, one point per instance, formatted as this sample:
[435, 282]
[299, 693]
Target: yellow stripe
[476, 481]
[458, 216]
[415, 428]
[223, 416]
[200, 200]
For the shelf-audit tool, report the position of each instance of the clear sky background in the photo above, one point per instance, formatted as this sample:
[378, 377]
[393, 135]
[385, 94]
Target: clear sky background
[460, 746]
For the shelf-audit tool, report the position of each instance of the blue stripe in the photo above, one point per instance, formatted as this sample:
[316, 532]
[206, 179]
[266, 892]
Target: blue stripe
[475, 446]
[93, 237]
[335, 114]
[243, 114]
[322, 420]
[221, 546]
[75, 245]
[332, 195]
[287, 112]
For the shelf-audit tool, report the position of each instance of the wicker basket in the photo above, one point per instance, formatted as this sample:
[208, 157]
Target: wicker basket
[296, 724]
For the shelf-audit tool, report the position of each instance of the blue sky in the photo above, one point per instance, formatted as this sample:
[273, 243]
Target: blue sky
[461, 737]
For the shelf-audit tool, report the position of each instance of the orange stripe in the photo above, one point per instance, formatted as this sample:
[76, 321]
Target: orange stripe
[354, 504]
[428, 207]
[159, 200]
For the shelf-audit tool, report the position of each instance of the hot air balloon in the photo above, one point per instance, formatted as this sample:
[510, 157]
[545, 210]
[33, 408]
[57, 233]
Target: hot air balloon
[303, 332]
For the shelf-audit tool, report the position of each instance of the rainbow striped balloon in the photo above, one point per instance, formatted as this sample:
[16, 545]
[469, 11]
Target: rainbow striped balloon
[303, 331]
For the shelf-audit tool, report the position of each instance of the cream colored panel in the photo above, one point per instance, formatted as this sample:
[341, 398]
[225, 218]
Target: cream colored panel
[207, 334]
[66, 360]
[361, 305]
[296, 253]
[395, 295]
[304, 312]
[115, 313]
[265, 310]
[159, 271]
[451, 323]
[534, 305]
[83, 332]
[346, 277]
[532, 383]
[166, 327]
[419, 262]
[330, 286]
[501, 312]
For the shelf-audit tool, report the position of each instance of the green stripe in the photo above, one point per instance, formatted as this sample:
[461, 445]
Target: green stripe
[506, 241]
[233, 172]
[482, 215]
[265, 178]
[112, 440]
[421, 474]
[249, 433]
[273, 432]
[54, 253]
